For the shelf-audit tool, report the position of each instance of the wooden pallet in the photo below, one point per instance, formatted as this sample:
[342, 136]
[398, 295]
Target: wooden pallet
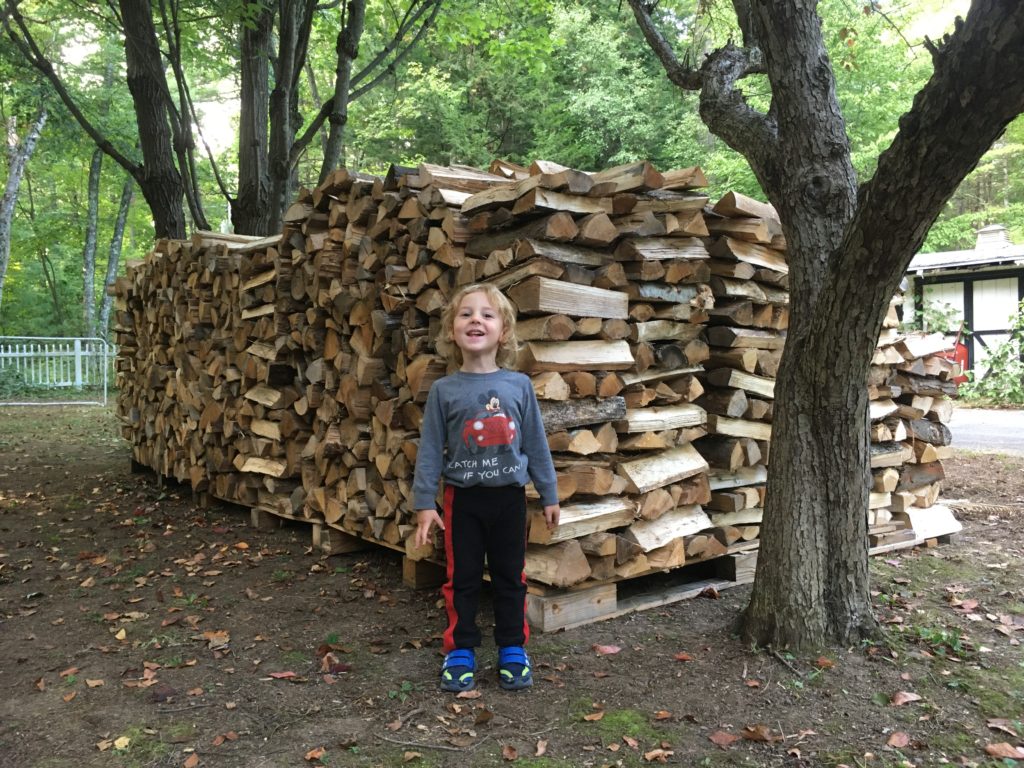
[549, 610]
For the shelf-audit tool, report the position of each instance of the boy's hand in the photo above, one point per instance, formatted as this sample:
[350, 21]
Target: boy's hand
[425, 520]
[551, 515]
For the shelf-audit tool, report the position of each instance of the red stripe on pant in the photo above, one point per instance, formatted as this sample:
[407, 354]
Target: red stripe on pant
[448, 588]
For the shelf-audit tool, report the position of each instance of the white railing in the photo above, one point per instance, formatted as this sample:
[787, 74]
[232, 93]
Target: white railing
[34, 368]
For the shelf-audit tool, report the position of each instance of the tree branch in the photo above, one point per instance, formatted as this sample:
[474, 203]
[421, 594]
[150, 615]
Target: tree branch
[686, 78]
[28, 47]
[328, 106]
[977, 88]
[723, 107]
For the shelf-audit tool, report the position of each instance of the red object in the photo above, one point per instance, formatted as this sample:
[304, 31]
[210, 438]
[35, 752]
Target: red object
[488, 430]
[958, 355]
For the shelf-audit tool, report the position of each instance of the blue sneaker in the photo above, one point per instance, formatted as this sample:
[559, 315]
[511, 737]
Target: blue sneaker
[457, 672]
[514, 671]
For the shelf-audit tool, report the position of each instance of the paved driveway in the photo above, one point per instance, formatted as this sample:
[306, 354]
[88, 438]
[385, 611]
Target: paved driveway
[990, 431]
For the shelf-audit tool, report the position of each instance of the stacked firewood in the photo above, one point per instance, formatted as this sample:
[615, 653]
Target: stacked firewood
[749, 278]
[910, 387]
[289, 373]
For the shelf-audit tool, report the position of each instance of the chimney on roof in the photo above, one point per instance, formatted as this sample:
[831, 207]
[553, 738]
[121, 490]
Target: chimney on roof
[992, 238]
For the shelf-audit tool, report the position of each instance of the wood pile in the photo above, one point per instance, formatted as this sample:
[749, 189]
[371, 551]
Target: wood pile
[289, 373]
[910, 388]
[746, 333]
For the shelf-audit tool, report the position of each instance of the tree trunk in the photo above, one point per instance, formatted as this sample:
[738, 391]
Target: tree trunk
[847, 250]
[250, 211]
[89, 249]
[18, 158]
[347, 49]
[114, 254]
[158, 177]
[294, 23]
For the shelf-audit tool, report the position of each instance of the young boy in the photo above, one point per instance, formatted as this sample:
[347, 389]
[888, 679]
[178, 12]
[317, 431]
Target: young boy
[482, 432]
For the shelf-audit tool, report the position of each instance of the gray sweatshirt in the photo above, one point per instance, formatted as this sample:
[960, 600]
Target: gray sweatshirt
[482, 429]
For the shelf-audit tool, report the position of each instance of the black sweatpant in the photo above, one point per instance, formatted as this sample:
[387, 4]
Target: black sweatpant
[478, 521]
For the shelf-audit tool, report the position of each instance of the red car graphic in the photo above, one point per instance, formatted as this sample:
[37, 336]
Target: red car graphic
[487, 430]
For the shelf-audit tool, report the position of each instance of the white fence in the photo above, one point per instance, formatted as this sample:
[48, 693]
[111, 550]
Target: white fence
[35, 368]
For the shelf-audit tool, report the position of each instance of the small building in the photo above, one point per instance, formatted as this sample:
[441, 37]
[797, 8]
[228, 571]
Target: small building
[981, 288]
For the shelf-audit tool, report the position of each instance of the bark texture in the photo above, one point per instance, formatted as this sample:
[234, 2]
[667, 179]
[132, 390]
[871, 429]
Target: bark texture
[347, 49]
[848, 248]
[114, 254]
[250, 211]
[157, 177]
[18, 157]
[89, 248]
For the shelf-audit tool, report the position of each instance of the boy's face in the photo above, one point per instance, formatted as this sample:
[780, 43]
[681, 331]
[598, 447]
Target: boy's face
[478, 327]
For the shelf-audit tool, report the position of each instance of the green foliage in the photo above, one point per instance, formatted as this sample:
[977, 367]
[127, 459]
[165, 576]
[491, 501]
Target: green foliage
[1003, 381]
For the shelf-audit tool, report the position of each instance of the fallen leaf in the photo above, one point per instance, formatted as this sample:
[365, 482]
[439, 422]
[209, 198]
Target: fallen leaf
[1004, 749]
[723, 739]
[760, 733]
[658, 755]
[194, 692]
[91, 581]
[752, 683]
[241, 545]
[898, 740]
[630, 742]
[683, 656]
[710, 593]
[94, 683]
[593, 717]
[1002, 724]
[509, 752]
[192, 761]
[542, 747]
[69, 672]
[408, 757]
[69, 696]
[104, 745]
[824, 662]
[662, 714]
[903, 697]
[315, 754]
[122, 743]
[483, 717]
[605, 650]
[121, 634]
[601, 674]
[41, 684]
[394, 725]
[474, 694]
[287, 675]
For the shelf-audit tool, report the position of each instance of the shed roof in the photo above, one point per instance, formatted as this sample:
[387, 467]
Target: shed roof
[992, 248]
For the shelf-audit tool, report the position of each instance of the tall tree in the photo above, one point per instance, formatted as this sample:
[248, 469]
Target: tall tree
[19, 150]
[848, 248]
[157, 175]
[114, 254]
[92, 222]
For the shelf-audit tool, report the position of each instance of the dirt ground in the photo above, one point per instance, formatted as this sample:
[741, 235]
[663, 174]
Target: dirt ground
[139, 630]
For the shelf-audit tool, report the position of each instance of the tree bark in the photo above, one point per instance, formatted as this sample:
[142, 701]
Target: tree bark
[347, 49]
[89, 248]
[294, 21]
[18, 157]
[250, 211]
[158, 178]
[848, 250]
[114, 254]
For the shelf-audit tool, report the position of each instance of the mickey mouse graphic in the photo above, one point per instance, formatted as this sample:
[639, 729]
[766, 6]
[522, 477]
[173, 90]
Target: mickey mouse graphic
[490, 427]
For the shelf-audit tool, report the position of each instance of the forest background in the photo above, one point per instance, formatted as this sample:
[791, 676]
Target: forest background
[449, 81]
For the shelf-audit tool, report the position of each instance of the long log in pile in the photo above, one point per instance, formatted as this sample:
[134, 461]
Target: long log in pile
[289, 373]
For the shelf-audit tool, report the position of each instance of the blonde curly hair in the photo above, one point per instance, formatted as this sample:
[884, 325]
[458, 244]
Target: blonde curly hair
[508, 347]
